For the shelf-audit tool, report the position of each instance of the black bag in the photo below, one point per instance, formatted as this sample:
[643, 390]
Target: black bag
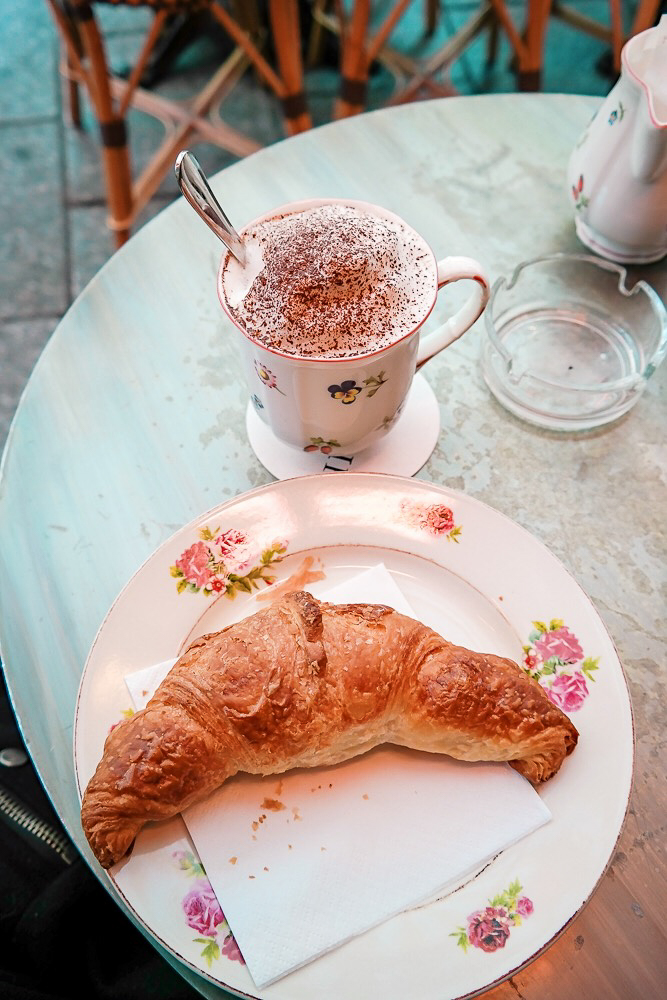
[61, 934]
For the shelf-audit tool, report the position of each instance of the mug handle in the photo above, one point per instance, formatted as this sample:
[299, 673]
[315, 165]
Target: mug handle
[454, 269]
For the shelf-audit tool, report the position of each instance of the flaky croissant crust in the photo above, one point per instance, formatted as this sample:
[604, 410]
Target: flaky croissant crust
[306, 684]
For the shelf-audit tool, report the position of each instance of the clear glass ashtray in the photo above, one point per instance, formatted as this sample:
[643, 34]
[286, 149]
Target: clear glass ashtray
[568, 345]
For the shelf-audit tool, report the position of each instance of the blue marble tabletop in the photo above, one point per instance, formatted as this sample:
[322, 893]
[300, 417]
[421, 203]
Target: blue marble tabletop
[133, 420]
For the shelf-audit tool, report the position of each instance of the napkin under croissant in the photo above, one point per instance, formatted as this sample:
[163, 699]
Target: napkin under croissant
[309, 684]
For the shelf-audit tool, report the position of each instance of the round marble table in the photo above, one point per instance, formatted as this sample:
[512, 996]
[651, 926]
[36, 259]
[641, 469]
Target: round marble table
[133, 423]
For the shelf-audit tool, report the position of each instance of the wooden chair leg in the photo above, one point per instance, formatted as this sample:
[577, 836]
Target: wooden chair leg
[241, 37]
[113, 133]
[285, 28]
[119, 185]
[616, 18]
[85, 60]
[359, 52]
[70, 47]
[73, 96]
[73, 102]
[531, 57]
[354, 61]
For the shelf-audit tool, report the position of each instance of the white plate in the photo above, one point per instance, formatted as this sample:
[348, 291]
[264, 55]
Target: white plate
[481, 581]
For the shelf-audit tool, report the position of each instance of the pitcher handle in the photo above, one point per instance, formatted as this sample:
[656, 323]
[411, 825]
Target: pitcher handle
[451, 269]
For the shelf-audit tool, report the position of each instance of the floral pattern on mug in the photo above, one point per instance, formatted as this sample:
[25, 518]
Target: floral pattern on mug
[319, 444]
[438, 519]
[256, 402]
[225, 563]
[580, 199]
[373, 383]
[387, 422]
[489, 928]
[554, 657]
[267, 377]
[203, 913]
[346, 392]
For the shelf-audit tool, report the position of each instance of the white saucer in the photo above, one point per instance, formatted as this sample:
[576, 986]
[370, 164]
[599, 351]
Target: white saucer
[402, 452]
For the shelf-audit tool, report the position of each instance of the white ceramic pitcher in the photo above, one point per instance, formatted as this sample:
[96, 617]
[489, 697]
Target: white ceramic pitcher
[617, 174]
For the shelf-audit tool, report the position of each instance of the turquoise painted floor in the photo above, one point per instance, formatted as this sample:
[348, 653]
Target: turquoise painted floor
[53, 237]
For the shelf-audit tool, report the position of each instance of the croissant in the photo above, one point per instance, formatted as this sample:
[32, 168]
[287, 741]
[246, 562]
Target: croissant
[307, 684]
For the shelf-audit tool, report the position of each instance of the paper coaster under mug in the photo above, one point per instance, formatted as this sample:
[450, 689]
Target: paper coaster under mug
[402, 452]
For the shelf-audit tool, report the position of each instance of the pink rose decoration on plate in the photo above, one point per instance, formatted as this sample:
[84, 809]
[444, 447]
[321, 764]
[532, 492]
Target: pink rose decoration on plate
[231, 950]
[235, 550]
[226, 563]
[554, 656]
[560, 643]
[229, 540]
[202, 909]
[568, 691]
[440, 519]
[489, 929]
[437, 519]
[194, 564]
[203, 913]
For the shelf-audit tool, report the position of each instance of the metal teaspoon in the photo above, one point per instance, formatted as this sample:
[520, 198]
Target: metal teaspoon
[195, 188]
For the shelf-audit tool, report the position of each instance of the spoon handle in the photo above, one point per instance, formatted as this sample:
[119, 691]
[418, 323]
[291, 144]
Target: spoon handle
[195, 188]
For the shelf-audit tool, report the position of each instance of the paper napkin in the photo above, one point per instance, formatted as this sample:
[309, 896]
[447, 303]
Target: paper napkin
[304, 861]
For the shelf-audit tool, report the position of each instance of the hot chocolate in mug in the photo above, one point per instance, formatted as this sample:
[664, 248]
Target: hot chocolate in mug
[330, 303]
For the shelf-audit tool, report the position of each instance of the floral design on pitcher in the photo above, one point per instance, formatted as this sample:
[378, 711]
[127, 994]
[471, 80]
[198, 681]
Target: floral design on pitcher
[225, 563]
[617, 114]
[580, 199]
[348, 391]
[319, 444]
[267, 377]
[256, 402]
[555, 658]
[203, 913]
[438, 519]
[489, 929]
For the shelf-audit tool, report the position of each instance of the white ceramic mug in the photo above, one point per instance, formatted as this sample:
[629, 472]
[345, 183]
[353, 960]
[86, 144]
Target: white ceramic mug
[320, 403]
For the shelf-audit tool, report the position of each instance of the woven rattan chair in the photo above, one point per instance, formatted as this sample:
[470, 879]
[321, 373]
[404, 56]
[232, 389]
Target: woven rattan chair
[85, 64]
[360, 47]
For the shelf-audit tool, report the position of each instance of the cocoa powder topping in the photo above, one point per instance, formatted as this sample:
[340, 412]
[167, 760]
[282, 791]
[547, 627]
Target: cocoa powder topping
[336, 282]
